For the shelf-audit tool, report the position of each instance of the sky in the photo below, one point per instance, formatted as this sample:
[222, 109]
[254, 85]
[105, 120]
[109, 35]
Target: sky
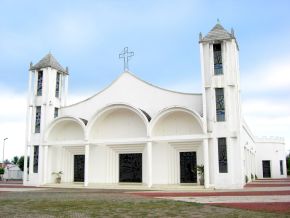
[87, 36]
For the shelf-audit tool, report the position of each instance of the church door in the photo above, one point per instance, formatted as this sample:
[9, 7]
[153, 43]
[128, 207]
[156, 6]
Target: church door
[79, 168]
[266, 169]
[188, 167]
[130, 167]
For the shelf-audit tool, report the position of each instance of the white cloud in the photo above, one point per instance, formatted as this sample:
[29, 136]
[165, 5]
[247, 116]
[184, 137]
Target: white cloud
[265, 107]
[272, 76]
[12, 122]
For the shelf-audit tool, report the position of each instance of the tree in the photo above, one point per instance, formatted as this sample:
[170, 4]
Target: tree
[15, 160]
[21, 163]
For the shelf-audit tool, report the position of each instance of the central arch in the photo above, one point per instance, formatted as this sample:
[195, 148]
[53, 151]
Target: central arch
[176, 121]
[118, 121]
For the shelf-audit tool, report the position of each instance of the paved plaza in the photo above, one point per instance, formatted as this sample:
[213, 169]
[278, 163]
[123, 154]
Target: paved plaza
[271, 195]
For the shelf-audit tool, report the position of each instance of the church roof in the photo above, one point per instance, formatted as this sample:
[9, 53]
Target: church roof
[48, 61]
[218, 32]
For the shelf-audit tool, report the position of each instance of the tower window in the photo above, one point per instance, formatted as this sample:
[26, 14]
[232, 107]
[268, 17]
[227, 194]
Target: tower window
[218, 64]
[35, 158]
[55, 112]
[222, 152]
[37, 119]
[39, 83]
[220, 104]
[57, 85]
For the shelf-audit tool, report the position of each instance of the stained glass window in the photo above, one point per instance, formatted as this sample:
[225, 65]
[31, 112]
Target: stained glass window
[57, 85]
[220, 104]
[218, 60]
[35, 159]
[39, 83]
[55, 112]
[37, 119]
[222, 152]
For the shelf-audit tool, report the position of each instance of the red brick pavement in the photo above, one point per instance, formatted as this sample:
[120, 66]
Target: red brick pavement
[205, 194]
[278, 207]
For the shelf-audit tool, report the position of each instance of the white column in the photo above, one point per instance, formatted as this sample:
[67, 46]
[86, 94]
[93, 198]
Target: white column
[206, 163]
[149, 160]
[25, 166]
[45, 164]
[40, 164]
[87, 154]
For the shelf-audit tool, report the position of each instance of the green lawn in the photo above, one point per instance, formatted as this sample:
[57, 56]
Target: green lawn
[98, 203]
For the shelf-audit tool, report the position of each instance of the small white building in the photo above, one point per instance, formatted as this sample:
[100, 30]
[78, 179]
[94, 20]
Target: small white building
[135, 132]
[12, 172]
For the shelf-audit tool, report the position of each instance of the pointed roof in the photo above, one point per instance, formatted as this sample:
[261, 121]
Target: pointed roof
[218, 32]
[48, 61]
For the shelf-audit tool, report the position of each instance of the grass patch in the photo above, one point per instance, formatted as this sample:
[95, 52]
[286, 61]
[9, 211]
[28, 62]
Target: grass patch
[59, 203]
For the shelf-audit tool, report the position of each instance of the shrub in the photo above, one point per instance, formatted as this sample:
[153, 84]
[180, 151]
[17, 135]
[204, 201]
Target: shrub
[246, 179]
[252, 176]
[2, 171]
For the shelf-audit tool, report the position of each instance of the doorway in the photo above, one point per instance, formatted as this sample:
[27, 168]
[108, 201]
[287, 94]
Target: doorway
[130, 167]
[188, 167]
[266, 169]
[79, 168]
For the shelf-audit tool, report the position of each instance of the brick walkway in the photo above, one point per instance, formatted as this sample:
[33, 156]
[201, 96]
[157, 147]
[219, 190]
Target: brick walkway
[272, 195]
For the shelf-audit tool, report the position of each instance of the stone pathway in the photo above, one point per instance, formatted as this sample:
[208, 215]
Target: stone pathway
[271, 195]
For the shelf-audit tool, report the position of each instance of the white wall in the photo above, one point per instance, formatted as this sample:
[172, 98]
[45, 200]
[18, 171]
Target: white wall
[273, 150]
[133, 91]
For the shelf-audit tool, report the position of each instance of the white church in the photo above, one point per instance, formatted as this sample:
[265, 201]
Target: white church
[136, 133]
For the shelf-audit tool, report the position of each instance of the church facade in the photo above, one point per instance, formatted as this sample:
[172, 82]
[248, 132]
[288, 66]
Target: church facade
[133, 132]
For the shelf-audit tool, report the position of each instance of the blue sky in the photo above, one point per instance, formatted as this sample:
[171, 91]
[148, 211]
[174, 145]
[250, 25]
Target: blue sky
[87, 36]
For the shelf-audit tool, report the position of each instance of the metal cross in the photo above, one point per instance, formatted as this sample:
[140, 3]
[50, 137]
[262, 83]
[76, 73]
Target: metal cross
[126, 55]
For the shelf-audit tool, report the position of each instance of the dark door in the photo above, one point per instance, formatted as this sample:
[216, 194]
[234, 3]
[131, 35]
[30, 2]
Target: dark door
[79, 168]
[130, 166]
[266, 169]
[188, 167]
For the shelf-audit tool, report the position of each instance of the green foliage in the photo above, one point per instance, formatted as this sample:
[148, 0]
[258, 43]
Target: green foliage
[15, 160]
[20, 163]
[252, 176]
[288, 164]
[2, 171]
[256, 177]
[200, 170]
[58, 174]
[246, 179]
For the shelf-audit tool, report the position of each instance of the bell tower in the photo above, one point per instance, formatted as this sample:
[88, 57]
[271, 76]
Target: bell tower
[47, 92]
[219, 54]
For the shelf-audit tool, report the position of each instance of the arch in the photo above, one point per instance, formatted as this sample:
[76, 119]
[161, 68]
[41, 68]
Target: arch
[118, 121]
[176, 121]
[66, 129]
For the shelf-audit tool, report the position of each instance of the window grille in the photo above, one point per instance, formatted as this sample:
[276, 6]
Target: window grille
[57, 85]
[37, 119]
[55, 112]
[220, 104]
[39, 83]
[218, 62]
[222, 154]
[35, 158]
